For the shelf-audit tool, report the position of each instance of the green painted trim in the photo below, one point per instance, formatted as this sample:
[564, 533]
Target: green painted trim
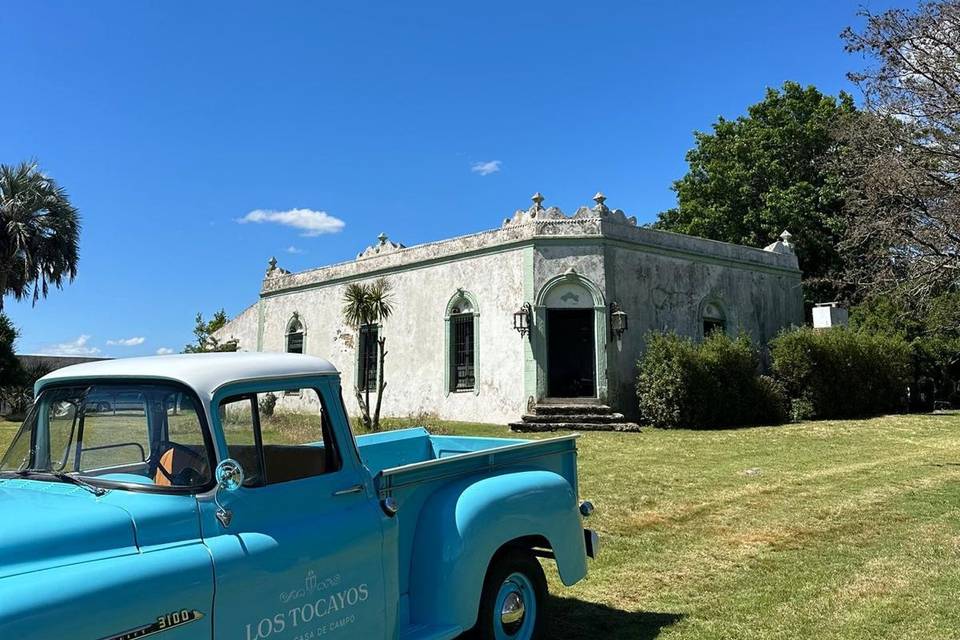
[447, 362]
[462, 293]
[731, 325]
[446, 356]
[476, 353]
[530, 366]
[260, 320]
[296, 316]
[599, 330]
[530, 243]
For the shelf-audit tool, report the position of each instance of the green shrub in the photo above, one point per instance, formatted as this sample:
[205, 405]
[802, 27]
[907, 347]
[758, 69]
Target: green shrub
[268, 404]
[708, 385]
[840, 373]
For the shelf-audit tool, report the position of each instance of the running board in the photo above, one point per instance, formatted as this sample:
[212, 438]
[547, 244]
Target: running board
[430, 632]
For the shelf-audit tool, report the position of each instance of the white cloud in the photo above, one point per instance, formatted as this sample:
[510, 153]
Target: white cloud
[486, 168]
[294, 250]
[127, 342]
[76, 347]
[164, 351]
[311, 223]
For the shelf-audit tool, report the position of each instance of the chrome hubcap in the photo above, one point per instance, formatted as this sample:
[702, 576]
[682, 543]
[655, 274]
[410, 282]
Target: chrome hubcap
[512, 612]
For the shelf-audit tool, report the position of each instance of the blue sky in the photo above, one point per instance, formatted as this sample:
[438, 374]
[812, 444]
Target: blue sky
[169, 122]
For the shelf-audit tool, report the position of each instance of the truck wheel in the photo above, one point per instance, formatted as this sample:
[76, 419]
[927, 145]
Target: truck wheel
[513, 600]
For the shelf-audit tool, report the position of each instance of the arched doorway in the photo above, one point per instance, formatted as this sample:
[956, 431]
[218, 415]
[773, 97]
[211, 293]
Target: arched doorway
[572, 313]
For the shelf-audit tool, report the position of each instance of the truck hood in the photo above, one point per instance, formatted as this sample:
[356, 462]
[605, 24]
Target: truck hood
[48, 524]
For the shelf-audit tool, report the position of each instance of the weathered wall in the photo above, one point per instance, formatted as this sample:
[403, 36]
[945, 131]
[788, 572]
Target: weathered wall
[416, 360]
[668, 293]
[243, 328]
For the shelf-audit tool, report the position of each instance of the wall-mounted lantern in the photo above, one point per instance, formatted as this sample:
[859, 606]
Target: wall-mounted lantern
[522, 319]
[618, 320]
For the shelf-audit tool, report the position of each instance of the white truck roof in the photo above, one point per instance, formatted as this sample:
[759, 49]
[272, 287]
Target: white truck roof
[203, 372]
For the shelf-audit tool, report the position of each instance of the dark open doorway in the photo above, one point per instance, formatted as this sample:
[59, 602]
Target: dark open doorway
[570, 353]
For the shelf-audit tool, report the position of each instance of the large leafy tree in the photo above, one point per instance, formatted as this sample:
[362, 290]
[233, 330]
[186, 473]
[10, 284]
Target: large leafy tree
[39, 233]
[932, 329]
[765, 172]
[369, 304]
[902, 156]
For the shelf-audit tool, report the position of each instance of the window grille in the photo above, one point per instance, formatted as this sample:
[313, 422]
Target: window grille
[369, 335]
[462, 358]
[295, 336]
[295, 342]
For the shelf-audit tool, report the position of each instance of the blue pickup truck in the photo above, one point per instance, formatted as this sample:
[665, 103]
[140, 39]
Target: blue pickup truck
[197, 509]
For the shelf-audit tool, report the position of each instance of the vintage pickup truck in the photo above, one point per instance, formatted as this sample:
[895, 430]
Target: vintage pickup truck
[183, 512]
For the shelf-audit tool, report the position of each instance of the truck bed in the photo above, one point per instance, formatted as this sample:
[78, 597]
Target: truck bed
[402, 458]
[412, 465]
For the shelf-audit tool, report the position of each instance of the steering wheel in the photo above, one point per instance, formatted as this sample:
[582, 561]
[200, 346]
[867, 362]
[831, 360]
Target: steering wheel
[189, 473]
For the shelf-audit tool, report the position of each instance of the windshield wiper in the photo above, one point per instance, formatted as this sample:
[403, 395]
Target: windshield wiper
[63, 477]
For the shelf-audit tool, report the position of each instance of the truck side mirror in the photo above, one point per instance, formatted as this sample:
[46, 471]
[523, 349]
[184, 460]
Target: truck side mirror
[229, 476]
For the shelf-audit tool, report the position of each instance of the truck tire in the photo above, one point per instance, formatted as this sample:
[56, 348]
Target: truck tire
[513, 599]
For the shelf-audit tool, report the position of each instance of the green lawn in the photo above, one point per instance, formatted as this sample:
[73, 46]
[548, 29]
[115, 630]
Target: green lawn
[828, 530]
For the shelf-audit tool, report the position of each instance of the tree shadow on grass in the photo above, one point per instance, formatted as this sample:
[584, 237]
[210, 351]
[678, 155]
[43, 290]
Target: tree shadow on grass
[572, 619]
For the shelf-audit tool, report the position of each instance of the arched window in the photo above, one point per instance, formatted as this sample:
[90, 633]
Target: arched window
[714, 319]
[462, 342]
[295, 335]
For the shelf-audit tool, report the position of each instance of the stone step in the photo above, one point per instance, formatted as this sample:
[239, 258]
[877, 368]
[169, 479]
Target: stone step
[577, 401]
[541, 409]
[540, 427]
[592, 418]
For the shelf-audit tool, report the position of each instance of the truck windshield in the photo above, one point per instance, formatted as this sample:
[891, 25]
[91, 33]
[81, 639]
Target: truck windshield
[146, 434]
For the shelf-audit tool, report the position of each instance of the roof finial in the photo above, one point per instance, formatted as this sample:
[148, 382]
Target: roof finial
[599, 198]
[537, 200]
[272, 264]
[382, 238]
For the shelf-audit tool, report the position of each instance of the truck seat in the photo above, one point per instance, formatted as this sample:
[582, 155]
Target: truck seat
[180, 465]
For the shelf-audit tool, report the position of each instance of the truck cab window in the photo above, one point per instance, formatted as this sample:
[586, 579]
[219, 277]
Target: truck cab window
[278, 437]
[148, 434]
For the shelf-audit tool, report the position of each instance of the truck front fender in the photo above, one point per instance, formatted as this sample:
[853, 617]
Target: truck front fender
[464, 524]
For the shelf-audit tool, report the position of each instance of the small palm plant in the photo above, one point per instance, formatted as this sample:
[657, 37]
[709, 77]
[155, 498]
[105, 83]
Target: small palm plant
[39, 233]
[366, 304]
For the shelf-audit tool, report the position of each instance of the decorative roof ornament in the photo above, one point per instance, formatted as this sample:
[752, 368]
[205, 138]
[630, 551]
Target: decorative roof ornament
[273, 270]
[605, 213]
[535, 212]
[599, 198]
[783, 245]
[384, 245]
[539, 213]
[537, 201]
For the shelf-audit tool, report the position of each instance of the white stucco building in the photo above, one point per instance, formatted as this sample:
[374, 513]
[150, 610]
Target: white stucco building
[452, 342]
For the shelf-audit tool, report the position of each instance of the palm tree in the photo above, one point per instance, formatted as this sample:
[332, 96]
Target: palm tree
[39, 233]
[363, 305]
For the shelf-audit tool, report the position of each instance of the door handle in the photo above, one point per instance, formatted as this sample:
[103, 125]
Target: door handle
[357, 488]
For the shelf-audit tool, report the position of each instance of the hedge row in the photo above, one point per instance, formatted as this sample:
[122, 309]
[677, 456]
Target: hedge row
[842, 373]
[816, 374]
[707, 385]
